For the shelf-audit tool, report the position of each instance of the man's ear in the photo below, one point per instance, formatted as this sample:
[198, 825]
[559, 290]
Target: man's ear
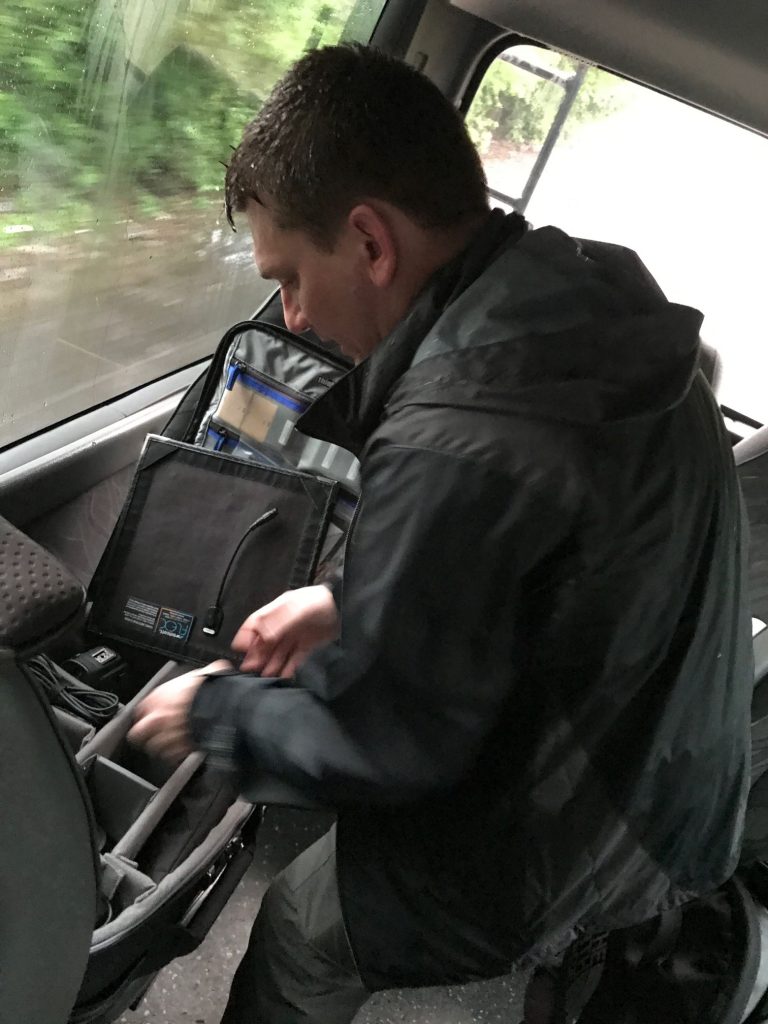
[373, 233]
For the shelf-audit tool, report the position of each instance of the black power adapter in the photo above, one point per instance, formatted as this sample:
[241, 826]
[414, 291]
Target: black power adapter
[100, 667]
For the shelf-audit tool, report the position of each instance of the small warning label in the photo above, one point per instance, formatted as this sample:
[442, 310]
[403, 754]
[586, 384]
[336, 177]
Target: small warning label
[175, 623]
[164, 621]
[140, 613]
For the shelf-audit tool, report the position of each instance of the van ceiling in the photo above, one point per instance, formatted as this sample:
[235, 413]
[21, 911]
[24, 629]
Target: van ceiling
[713, 53]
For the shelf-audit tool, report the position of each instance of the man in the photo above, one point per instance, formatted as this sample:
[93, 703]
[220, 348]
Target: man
[534, 718]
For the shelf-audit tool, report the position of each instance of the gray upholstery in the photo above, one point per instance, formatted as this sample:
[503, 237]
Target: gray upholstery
[711, 365]
[751, 457]
[47, 864]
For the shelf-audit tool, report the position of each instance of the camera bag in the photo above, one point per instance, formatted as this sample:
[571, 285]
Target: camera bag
[129, 861]
[229, 457]
[190, 556]
[112, 862]
[203, 540]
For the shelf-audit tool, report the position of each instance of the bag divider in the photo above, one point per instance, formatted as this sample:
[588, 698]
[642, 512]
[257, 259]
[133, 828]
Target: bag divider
[117, 795]
[195, 864]
[122, 884]
[77, 732]
[150, 817]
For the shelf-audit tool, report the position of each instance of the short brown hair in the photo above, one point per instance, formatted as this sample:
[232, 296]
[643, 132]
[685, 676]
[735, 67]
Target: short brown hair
[347, 123]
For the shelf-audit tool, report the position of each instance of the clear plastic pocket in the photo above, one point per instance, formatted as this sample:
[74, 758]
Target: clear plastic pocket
[255, 420]
[257, 409]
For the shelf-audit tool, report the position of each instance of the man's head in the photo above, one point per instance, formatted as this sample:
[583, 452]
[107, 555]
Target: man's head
[359, 180]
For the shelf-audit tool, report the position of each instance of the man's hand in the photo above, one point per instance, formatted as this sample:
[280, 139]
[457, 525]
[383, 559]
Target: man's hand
[280, 636]
[162, 720]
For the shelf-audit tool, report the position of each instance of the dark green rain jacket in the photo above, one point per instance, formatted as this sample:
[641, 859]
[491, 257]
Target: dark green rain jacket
[537, 715]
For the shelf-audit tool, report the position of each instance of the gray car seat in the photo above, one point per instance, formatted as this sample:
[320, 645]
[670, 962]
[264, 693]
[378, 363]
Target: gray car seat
[111, 862]
[752, 461]
[48, 867]
[711, 365]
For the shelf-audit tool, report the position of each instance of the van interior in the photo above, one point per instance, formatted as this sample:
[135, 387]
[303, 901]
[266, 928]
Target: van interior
[637, 122]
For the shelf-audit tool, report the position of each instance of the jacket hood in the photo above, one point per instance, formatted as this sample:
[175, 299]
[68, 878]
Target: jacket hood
[525, 322]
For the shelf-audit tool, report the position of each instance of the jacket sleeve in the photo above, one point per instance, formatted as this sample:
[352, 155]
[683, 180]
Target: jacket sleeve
[436, 570]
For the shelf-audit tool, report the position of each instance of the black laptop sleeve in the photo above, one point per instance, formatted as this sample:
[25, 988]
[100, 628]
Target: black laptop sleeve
[205, 539]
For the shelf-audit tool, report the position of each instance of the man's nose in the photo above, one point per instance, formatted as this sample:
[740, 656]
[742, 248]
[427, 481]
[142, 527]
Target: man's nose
[294, 318]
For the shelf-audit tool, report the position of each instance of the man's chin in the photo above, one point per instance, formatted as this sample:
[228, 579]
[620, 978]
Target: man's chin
[346, 350]
[352, 350]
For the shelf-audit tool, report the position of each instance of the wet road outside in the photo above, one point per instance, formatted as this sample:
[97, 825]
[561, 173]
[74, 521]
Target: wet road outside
[90, 315]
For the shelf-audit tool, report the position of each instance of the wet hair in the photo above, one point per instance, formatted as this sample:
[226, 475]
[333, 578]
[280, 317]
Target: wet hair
[349, 123]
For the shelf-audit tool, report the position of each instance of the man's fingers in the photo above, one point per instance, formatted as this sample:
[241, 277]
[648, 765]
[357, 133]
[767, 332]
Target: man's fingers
[259, 648]
[160, 738]
[154, 723]
[257, 656]
[253, 662]
[162, 720]
[145, 724]
[244, 637]
[296, 660]
[258, 626]
[222, 665]
[275, 666]
[172, 745]
[146, 707]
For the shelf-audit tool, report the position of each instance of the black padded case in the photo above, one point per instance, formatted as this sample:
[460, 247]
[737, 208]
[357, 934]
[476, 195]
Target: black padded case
[150, 853]
[204, 540]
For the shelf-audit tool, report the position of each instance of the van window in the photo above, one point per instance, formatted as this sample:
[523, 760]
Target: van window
[681, 187]
[116, 266]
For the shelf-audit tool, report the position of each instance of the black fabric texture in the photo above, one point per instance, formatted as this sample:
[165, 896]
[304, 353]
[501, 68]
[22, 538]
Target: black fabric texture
[181, 422]
[201, 805]
[182, 545]
[536, 719]
[298, 965]
[704, 977]
[752, 461]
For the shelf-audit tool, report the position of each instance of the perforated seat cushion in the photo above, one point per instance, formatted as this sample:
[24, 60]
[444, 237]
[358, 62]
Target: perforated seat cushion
[37, 594]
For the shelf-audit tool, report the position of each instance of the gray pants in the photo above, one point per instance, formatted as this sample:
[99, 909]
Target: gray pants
[299, 967]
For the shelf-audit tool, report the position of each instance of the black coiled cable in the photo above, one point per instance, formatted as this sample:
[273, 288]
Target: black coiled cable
[65, 691]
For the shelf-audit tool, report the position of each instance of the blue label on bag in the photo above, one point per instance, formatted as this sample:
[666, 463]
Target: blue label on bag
[172, 622]
[168, 622]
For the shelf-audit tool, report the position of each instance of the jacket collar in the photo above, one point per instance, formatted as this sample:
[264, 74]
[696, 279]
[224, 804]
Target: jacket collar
[351, 410]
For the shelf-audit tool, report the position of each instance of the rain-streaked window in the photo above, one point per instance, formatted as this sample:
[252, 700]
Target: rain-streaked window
[116, 266]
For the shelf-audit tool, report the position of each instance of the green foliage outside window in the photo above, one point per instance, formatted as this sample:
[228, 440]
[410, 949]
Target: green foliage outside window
[515, 108]
[128, 108]
[132, 102]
